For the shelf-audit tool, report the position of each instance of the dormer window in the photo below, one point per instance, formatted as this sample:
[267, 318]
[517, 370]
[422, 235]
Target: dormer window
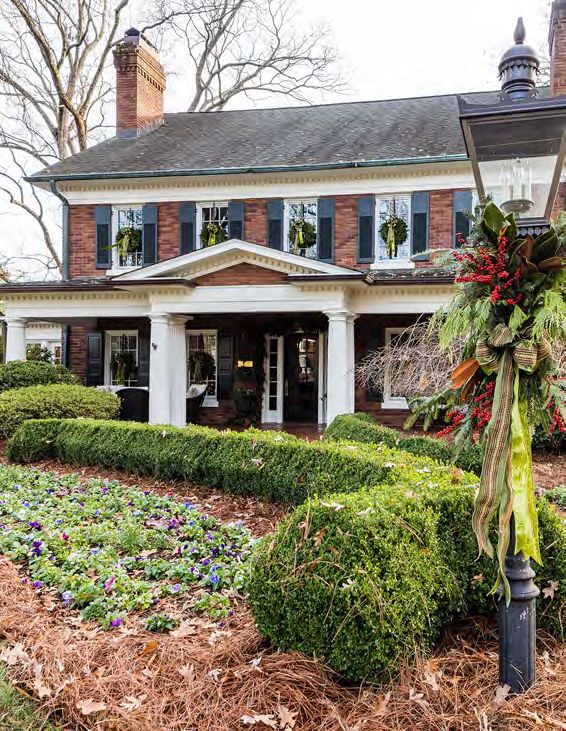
[301, 221]
[127, 246]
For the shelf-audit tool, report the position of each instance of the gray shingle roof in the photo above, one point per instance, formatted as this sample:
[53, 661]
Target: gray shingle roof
[333, 135]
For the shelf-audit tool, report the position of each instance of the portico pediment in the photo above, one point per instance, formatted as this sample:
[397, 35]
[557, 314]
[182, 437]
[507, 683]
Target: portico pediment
[234, 255]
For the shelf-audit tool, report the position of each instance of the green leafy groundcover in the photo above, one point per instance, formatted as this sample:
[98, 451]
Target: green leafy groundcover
[364, 428]
[269, 465]
[368, 580]
[109, 550]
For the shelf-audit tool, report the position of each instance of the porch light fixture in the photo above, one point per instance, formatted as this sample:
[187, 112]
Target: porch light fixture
[517, 145]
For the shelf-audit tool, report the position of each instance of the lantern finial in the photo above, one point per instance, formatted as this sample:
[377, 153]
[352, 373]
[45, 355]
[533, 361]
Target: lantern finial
[519, 68]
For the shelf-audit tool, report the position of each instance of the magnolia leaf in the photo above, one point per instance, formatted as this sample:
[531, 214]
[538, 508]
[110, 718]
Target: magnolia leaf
[550, 590]
[286, 717]
[553, 263]
[463, 372]
[493, 217]
[266, 720]
[86, 707]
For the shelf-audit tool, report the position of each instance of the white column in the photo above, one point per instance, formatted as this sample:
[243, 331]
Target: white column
[15, 339]
[167, 369]
[341, 363]
[178, 370]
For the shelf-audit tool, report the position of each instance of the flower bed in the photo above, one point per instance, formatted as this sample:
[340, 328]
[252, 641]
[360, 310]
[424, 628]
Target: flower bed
[109, 551]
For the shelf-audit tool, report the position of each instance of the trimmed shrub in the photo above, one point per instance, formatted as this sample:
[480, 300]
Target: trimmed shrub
[22, 373]
[368, 580]
[363, 428]
[55, 400]
[268, 465]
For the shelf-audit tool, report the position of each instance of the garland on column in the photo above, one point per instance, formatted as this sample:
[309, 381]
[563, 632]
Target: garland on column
[510, 304]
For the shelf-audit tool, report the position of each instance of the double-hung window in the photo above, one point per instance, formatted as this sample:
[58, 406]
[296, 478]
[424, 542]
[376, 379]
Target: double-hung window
[202, 363]
[121, 367]
[393, 249]
[127, 236]
[212, 224]
[301, 222]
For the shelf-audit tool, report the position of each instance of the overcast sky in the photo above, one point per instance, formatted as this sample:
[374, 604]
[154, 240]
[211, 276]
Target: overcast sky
[390, 48]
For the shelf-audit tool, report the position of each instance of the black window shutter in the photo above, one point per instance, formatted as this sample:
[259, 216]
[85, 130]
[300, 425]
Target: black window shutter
[366, 229]
[143, 357]
[225, 366]
[420, 204]
[275, 224]
[325, 230]
[187, 227]
[102, 218]
[375, 341]
[236, 220]
[149, 233]
[94, 359]
[463, 203]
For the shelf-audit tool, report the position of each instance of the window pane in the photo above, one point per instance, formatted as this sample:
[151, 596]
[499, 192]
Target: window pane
[202, 361]
[306, 211]
[400, 207]
[129, 230]
[123, 359]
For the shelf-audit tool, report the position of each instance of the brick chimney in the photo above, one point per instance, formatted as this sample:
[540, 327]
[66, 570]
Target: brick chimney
[557, 46]
[140, 84]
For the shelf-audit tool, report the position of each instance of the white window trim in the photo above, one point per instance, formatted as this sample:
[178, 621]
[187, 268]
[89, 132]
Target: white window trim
[116, 268]
[198, 221]
[378, 263]
[210, 402]
[390, 402]
[287, 203]
[107, 371]
[273, 416]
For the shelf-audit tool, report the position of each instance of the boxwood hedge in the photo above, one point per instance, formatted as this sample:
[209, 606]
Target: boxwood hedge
[267, 464]
[368, 580]
[22, 373]
[363, 428]
[56, 400]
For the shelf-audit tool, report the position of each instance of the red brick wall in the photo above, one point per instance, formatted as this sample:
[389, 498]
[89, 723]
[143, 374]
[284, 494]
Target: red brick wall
[140, 83]
[557, 41]
[240, 274]
[76, 345]
[82, 242]
[441, 221]
[168, 230]
[255, 221]
[346, 232]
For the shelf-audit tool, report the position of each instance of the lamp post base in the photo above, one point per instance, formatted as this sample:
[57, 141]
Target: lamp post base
[517, 623]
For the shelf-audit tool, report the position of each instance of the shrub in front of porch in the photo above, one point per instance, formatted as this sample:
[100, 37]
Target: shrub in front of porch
[22, 373]
[363, 428]
[272, 466]
[56, 401]
[367, 581]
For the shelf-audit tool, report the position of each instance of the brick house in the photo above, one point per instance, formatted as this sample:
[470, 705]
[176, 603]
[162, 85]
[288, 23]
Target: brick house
[304, 284]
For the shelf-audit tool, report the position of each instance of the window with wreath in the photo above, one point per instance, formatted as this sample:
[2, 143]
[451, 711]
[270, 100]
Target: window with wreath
[394, 228]
[213, 220]
[122, 358]
[128, 232]
[301, 227]
[202, 358]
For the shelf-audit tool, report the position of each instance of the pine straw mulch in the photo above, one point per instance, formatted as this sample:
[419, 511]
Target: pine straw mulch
[230, 680]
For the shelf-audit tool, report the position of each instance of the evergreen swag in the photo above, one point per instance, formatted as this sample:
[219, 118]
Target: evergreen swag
[510, 305]
[394, 232]
[212, 233]
[128, 240]
[302, 235]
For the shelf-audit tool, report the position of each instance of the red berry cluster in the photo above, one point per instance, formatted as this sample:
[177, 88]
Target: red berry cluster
[481, 413]
[557, 422]
[486, 268]
[454, 418]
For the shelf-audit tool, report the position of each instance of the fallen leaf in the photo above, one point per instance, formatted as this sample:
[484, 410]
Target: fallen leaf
[185, 629]
[319, 537]
[267, 720]
[151, 646]
[550, 590]
[214, 674]
[418, 698]
[131, 702]
[86, 707]
[501, 694]
[14, 655]
[477, 578]
[432, 679]
[334, 505]
[286, 717]
[255, 663]
[383, 703]
[187, 671]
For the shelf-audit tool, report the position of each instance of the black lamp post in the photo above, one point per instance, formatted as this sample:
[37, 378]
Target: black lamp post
[517, 148]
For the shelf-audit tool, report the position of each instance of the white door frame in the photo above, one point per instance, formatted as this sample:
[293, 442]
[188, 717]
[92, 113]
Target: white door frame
[273, 416]
[322, 375]
[389, 401]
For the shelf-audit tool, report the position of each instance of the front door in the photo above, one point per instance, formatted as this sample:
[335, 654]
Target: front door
[301, 377]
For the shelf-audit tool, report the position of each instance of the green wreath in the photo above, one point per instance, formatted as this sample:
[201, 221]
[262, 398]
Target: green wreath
[302, 235]
[212, 233]
[394, 232]
[128, 240]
